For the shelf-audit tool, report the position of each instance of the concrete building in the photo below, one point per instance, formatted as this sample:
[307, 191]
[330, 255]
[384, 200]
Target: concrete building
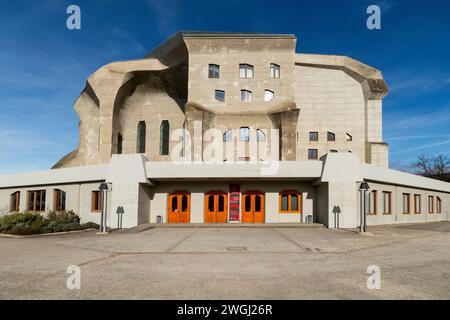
[231, 128]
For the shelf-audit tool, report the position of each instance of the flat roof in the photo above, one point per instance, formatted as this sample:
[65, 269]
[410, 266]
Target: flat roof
[220, 34]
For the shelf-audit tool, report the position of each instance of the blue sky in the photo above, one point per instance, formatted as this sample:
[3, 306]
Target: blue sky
[44, 66]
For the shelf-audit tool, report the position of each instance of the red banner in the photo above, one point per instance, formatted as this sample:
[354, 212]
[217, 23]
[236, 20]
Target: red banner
[234, 205]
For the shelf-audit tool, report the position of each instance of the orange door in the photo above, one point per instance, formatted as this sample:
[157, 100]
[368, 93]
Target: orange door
[216, 207]
[179, 210]
[253, 207]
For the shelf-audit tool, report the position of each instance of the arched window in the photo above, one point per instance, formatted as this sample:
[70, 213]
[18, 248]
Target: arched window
[141, 134]
[164, 132]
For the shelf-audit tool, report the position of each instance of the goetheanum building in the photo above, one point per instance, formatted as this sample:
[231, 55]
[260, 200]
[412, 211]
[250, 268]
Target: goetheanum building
[231, 128]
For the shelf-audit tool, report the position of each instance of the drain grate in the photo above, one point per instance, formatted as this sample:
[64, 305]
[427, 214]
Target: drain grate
[237, 249]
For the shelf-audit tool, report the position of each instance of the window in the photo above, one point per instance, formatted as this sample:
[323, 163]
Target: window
[119, 143]
[349, 137]
[228, 136]
[213, 71]
[246, 96]
[438, 205]
[14, 202]
[406, 203]
[431, 204]
[59, 200]
[268, 95]
[312, 154]
[220, 95]
[372, 203]
[260, 135]
[331, 136]
[274, 70]
[313, 136]
[417, 204]
[244, 134]
[387, 202]
[36, 201]
[333, 151]
[245, 71]
[289, 202]
[96, 203]
[164, 131]
[141, 136]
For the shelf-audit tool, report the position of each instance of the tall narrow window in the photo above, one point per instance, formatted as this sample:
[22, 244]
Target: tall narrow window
[260, 135]
[59, 199]
[213, 71]
[164, 132]
[313, 154]
[373, 203]
[431, 204]
[387, 202]
[406, 203]
[331, 136]
[141, 136]
[245, 71]
[417, 204]
[274, 70]
[244, 134]
[313, 136]
[36, 201]
[119, 143]
[220, 95]
[96, 202]
[228, 135]
[268, 95]
[246, 96]
[14, 202]
[438, 205]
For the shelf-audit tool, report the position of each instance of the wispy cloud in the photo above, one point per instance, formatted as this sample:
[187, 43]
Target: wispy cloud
[422, 147]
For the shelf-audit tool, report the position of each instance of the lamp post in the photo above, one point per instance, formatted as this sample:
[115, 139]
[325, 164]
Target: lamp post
[363, 190]
[104, 190]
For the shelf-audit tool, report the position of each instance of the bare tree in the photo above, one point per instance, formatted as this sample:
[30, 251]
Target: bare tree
[437, 167]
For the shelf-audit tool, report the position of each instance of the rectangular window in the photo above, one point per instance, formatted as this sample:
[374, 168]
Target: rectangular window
[331, 136]
[438, 205]
[268, 95]
[220, 95]
[59, 199]
[214, 71]
[430, 204]
[119, 143]
[372, 203]
[245, 71]
[96, 205]
[312, 154]
[289, 202]
[36, 201]
[244, 134]
[274, 70]
[387, 202]
[14, 202]
[417, 204]
[246, 96]
[228, 135]
[406, 203]
[313, 136]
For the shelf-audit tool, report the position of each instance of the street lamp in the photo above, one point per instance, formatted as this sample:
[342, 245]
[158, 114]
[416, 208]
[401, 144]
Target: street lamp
[103, 189]
[363, 190]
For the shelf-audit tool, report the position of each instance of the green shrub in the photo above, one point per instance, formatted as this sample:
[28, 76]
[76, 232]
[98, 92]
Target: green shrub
[63, 217]
[90, 225]
[22, 223]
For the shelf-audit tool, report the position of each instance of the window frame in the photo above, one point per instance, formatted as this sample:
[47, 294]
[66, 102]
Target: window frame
[438, 205]
[348, 137]
[42, 200]
[430, 204]
[312, 133]
[248, 94]
[164, 138]
[119, 143]
[228, 135]
[246, 67]
[273, 71]
[216, 97]
[241, 132]
[59, 206]
[408, 207]
[290, 194]
[213, 71]
[271, 92]
[317, 154]
[418, 210]
[331, 137]
[141, 137]
[389, 198]
[96, 206]
[260, 135]
[16, 197]
[373, 193]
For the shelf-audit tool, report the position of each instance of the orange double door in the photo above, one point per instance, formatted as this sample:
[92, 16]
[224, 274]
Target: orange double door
[216, 209]
[252, 207]
[179, 210]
